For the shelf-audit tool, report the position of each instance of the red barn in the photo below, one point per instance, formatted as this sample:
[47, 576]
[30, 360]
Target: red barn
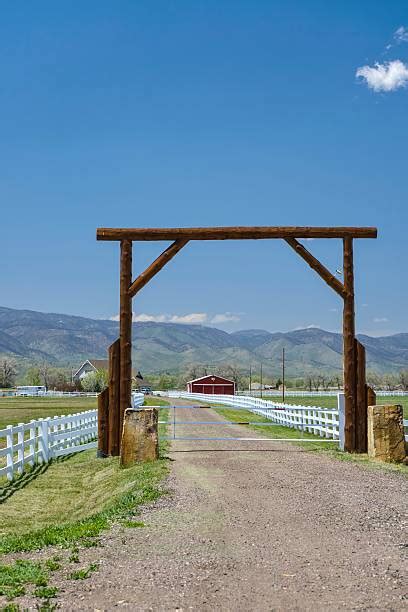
[211, 385]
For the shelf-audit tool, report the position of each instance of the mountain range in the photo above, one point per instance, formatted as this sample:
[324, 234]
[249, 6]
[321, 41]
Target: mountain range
[31, 336]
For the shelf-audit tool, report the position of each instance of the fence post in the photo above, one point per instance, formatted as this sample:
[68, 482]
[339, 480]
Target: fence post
[103, 423]
[31, 442]
[44, 448]
[20, 451]
[114, 432]
[10, 454]
[361, 399]
[340, 407]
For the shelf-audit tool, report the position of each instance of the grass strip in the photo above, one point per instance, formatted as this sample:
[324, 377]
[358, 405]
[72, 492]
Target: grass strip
[76, 500]
[15, 576]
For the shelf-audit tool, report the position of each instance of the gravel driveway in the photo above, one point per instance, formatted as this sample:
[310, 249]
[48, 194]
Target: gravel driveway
[256, 526]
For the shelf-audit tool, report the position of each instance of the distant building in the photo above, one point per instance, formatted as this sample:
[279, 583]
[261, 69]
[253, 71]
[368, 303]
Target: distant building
[90, 365]
[256, 386]
[141, 384]
[31, 390]
[211, 385]
[93, 365]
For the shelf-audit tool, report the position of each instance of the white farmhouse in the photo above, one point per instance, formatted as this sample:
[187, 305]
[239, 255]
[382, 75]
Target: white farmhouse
[90, 365]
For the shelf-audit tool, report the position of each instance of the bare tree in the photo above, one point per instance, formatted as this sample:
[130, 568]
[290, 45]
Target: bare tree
[374, 379]
[192, 371]
[8, 372]
[390, 382]
[315, 381]
[45, 372]
[403, 379]
[231, 371]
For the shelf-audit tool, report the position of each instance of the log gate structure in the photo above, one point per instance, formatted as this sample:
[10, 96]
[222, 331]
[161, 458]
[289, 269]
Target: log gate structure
[117, 398]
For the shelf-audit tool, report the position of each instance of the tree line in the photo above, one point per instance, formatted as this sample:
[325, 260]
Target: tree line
[60, 378]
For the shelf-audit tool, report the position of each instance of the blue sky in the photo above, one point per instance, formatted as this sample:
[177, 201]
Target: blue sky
[203, 113]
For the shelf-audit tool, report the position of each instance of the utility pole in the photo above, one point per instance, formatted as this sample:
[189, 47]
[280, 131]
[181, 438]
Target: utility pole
[261, 382]
[283, 375]
[250, 379]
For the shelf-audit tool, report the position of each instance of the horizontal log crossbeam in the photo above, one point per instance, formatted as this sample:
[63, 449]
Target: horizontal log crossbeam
[317, 266]
[120, 368]
[233, 233]
[156, 266]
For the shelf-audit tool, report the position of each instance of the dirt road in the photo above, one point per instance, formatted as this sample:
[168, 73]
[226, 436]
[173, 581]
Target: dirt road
[256, 526]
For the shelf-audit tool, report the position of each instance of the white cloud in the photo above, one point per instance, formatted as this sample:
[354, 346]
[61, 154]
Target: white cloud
[192, 318]
[380, 320]
[401, 35]
[226, 317]
[385, 77]
[145, 318]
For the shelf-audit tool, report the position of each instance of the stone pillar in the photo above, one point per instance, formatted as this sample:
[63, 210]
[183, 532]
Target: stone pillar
[386, 439]
[140, 439]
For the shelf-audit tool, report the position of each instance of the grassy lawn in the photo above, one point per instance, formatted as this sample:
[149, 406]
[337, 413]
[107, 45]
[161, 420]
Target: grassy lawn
[14, 410]
[76, 499]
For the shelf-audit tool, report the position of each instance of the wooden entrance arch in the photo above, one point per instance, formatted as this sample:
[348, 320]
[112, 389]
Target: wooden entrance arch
[120, 353]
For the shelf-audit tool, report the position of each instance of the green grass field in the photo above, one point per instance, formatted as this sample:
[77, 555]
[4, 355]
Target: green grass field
[14, 410]
[77, 498]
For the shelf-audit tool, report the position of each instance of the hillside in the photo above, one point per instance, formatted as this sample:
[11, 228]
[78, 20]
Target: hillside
[67, 340]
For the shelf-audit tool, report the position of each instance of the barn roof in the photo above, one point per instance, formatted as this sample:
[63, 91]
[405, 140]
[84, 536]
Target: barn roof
[211, 376]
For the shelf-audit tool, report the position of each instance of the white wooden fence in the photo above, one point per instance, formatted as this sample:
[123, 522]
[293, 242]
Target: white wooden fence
[323, 422]
[39, 441]
[328, 393]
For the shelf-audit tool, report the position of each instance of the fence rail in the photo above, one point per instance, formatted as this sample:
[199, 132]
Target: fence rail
[41, 440]
[323, 422]
[329, 393]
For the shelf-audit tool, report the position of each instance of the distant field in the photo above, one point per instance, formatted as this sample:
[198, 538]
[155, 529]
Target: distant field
[15, 410]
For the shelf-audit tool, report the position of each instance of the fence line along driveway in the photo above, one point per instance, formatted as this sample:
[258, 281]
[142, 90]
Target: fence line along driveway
[254, 527]
[323, 422]
[41, 440]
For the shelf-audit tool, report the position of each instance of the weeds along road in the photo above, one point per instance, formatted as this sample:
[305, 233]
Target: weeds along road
[256, 526]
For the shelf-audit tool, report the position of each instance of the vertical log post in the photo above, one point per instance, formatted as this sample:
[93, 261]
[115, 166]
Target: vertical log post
[103, 421]
[114, 399]
[361, 399]
[349, 348]
[125, 330]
